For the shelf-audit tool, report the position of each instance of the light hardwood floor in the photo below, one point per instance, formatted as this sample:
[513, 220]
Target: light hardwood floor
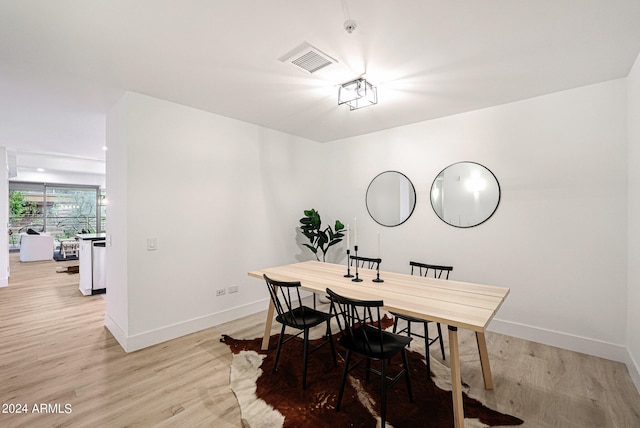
[55, 350]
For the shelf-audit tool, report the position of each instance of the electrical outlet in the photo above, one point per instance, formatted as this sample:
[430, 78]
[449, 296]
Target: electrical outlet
[233, 289]
[220, 292]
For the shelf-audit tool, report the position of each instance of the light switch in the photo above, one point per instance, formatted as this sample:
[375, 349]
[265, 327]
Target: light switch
[152, 244]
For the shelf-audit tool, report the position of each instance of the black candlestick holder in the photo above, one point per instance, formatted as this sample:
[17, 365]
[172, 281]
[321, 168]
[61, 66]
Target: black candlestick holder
[348, 275]
[377, 278]
[356, 279]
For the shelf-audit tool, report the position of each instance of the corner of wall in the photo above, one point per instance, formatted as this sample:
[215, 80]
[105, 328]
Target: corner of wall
[117, 332]
[633, 224]
[634, 370]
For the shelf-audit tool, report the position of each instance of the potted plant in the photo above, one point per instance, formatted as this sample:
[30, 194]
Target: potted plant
[320, 239]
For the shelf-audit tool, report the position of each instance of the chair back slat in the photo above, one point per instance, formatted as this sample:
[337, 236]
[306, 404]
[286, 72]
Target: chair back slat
[366, 262]
[286, 298]
[358, 319]
[423, 270]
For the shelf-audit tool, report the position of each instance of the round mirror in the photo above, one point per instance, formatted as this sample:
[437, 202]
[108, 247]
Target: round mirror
[391, 198]
[465, 194]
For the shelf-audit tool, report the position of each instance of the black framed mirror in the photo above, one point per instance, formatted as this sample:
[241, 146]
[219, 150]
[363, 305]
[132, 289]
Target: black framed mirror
[391, 198]
[465, 194]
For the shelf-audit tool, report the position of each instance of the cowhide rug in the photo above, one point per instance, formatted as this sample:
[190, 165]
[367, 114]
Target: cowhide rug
[278, 400]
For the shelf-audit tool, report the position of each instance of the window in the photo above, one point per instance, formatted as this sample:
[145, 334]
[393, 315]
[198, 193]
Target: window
[61, 210]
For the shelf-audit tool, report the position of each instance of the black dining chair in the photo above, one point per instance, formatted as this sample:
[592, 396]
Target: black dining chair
[360, 324]
[362, 262]
[423, 269]
[292, 313]
[365, 262]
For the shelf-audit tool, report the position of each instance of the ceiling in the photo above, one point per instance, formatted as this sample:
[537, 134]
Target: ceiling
[63, 63]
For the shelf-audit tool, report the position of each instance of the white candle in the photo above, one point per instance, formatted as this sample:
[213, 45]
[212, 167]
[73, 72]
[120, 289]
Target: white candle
[378, 244]
[355, 231]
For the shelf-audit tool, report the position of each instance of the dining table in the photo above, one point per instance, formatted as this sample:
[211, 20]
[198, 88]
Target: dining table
[456, 304]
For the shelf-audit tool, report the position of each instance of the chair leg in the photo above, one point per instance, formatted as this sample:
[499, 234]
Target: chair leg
[275, 364]
[395, 328]
[441, 342]
[344, 379]
[427, 355]
[405, 363]
[383, 395]
[333, 348]
[304, 358]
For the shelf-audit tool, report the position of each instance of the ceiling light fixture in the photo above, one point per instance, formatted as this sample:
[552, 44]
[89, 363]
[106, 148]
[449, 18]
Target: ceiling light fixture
[357, 94]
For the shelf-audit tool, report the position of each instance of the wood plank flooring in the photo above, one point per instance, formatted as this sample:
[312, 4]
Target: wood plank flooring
[55, 351]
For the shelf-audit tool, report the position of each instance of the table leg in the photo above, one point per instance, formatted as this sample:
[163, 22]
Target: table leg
[267, 326]
[456, 380]
[484, 360]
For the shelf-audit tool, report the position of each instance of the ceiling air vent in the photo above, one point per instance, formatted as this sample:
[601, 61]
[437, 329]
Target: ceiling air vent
[308, 58]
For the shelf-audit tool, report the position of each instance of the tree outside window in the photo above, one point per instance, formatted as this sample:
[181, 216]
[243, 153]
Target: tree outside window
[21, 214]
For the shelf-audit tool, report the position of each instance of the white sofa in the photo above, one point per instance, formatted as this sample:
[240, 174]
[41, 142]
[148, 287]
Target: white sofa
[36, 247]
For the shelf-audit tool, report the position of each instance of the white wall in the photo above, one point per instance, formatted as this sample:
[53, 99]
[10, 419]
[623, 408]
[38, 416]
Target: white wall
[117, 266]
[558, 238]
[222, 197]
[4, 218]
[633, 160]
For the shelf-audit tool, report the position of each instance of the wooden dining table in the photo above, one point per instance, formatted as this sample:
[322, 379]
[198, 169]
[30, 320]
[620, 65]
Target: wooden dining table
[456, 304]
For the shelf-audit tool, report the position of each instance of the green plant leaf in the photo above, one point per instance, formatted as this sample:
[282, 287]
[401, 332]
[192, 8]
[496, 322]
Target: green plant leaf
[311, 228]
[322, 239]
[315, 220]
[330, 233]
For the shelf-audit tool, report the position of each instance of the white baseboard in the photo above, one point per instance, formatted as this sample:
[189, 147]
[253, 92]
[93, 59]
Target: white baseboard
[548, 337]
[597, 348]
[634, 370]
[116, 331]
[610, 351]
[153, 337]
